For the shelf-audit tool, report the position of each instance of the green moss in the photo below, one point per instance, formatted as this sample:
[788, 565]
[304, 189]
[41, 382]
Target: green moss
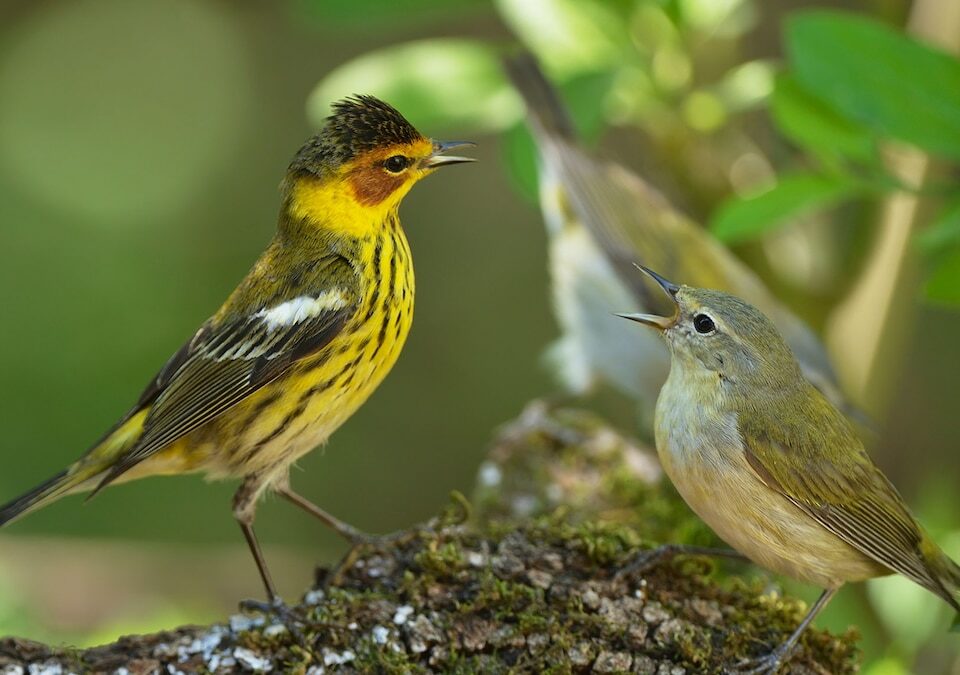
[510, 592]
[498, 612]
[603, 542]
[440, 560]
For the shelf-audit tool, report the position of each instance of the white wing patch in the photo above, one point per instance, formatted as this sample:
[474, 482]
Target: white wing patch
[300, 309]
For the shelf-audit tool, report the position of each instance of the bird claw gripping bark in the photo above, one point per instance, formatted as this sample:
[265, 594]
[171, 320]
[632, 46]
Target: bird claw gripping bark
[291, 617]
[765, 665]
[644, 561]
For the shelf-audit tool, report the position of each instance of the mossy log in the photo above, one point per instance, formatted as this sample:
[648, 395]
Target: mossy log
[521, 581]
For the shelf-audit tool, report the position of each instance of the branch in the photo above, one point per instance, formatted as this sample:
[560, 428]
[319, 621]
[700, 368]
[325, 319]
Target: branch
[525, 584]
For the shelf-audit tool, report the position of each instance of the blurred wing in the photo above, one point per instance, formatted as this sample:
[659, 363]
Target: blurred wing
[632, 222]
[848, 494]
[227, 362]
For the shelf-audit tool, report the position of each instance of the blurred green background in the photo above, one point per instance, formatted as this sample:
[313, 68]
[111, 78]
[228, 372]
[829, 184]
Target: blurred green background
[141, 145]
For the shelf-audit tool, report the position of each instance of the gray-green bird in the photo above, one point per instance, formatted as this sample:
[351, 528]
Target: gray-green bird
[771, 465]
[601, 218]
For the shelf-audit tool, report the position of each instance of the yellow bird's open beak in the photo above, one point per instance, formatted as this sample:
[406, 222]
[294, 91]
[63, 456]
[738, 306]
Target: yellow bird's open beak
[440, 159]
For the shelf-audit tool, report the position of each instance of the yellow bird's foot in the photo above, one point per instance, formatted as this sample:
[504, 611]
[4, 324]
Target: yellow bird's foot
[362, 541]
[647, 560]
[277, 609]
[354, 536]
[359, 538]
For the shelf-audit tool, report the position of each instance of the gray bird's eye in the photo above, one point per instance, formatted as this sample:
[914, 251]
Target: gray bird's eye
[704, 324]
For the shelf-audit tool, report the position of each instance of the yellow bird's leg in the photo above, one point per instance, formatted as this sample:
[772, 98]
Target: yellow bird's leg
[770, 664]
[644, 561]
[357, 538]
[244, 510]
[345, 530]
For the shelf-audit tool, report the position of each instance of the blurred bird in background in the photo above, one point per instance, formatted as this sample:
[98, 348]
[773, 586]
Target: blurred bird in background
[602, 218]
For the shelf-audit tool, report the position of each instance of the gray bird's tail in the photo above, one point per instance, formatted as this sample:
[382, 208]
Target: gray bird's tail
[954, 588]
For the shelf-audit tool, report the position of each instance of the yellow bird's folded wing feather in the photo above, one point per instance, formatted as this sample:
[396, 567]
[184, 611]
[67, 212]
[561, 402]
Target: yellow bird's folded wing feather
[847, 494]
[228, 360]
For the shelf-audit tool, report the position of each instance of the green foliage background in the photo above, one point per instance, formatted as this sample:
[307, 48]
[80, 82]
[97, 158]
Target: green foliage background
[140, 149]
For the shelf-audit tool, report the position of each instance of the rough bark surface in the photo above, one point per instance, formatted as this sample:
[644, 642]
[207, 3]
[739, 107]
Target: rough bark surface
[525, 580]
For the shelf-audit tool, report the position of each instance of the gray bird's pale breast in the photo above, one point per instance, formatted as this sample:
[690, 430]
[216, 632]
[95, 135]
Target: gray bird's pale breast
[702, 453]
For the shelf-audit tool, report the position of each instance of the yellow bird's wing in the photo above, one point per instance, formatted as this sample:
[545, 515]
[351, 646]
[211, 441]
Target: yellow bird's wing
[843, 490]
[228, 360]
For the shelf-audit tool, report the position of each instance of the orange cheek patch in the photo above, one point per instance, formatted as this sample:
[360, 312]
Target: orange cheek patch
[371, 185]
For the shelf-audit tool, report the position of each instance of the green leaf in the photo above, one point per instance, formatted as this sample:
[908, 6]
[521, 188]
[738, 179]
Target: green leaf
[718, 18]
[943, 231]
[520, 159]
[746, 85]
[443, 86]
[381, 14]
[944, 282]
[571, 36]
[879, 77]
[747, 218]
[815, 126]
[583, 95]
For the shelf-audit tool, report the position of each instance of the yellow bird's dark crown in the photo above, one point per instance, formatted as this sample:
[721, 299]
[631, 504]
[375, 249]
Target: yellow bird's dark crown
[356, 125]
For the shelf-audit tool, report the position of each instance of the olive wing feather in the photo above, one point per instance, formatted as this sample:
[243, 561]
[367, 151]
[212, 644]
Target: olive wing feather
[844, 491]
[228, 360]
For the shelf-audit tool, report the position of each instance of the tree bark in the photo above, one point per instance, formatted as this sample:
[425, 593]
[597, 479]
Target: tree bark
[524, 579]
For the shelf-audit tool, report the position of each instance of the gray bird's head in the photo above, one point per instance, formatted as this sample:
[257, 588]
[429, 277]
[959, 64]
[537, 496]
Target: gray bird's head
[713, 334]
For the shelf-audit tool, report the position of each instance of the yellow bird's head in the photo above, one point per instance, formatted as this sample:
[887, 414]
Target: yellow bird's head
[358, 168]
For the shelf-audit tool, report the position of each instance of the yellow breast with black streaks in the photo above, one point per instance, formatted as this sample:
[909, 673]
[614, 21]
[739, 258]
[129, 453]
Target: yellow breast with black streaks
[294, 414]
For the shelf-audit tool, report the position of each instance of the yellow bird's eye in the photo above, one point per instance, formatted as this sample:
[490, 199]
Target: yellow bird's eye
[396, 163]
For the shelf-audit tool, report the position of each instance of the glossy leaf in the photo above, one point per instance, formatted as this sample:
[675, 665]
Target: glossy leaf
[747, 218]
[815, 126]
[583, 95]
[443, 86]
[944, 230]
[944, 282]
[571, 36]
[386, 14]
[520, 159]
[879, 77]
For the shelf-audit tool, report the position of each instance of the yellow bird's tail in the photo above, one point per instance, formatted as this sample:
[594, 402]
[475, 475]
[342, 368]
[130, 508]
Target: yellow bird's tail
[39, 496]
[82, 475]
[47, 492]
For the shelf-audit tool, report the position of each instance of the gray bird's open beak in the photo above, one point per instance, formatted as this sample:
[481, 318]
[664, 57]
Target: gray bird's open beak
[661, 323]
[439, 159]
